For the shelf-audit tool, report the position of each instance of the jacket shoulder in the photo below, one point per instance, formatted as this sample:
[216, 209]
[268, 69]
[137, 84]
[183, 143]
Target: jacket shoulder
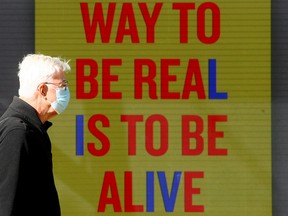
[12, 123]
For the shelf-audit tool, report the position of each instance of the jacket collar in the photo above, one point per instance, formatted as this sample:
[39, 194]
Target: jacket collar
[25, 111]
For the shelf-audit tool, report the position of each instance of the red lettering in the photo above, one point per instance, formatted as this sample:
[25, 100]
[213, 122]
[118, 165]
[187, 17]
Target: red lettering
[187, 135]
[107, 78]
[132, 120]
[109, 183]
[150, 21]
[166, 78]
[127, 23]
[127, 14]
[128, 195]
[201, 21]
[183, 9]
[193, 79]
[81, 78]
[189, 191]
[98, 20]
[139, 79]
[99, 135]
[213, 134]
[149, 133]
[193, 72]
[201, 15]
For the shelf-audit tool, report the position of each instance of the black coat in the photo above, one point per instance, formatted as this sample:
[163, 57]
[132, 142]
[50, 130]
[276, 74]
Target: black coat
[26, 178]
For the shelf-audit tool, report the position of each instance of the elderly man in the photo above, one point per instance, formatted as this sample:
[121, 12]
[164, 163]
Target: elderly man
[26, 178]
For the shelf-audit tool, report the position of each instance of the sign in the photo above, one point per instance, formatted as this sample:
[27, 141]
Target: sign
[170, 109]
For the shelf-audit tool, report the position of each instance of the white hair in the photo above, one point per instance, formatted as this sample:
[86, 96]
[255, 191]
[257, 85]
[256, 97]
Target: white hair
[36, 69]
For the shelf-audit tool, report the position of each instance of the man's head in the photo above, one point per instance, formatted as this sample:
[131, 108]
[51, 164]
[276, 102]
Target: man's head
[43, 83]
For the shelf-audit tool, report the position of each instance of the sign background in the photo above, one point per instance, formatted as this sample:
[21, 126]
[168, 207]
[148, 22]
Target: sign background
[237, 183]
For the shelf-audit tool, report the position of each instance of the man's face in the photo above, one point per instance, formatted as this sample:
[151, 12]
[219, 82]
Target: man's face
[57, 81]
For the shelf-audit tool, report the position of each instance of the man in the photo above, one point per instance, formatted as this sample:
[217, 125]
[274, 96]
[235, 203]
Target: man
[26, 179]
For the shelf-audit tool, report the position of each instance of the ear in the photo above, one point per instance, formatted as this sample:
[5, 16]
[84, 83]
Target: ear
[43, 89]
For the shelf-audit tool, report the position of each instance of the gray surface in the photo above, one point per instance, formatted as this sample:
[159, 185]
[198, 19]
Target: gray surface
[280, 107]
[16, 40]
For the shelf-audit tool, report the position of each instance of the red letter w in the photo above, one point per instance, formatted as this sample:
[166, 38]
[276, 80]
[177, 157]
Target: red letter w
[98, 19]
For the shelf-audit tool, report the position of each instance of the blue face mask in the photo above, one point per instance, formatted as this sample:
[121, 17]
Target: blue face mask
[62, 99]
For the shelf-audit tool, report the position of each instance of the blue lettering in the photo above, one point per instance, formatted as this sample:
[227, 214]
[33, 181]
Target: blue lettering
[169, 201]
[79, 135]
[213, 94]
[150, 191]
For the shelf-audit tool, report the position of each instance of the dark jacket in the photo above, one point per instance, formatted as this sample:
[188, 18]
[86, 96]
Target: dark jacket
[26, 179]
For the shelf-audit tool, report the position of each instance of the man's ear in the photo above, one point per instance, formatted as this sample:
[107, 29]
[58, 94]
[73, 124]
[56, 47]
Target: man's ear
[43, 89]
